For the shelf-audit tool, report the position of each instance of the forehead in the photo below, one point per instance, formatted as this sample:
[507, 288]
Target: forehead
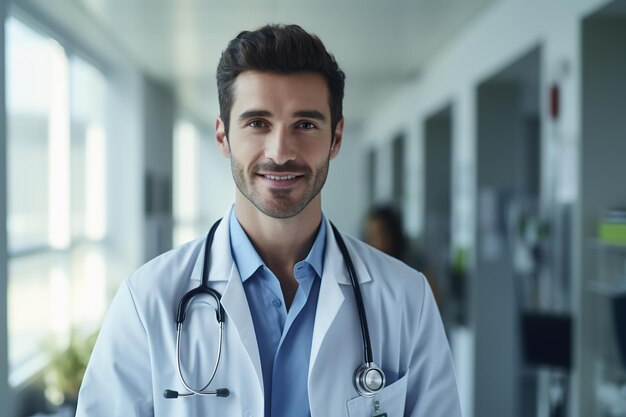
[275, 92]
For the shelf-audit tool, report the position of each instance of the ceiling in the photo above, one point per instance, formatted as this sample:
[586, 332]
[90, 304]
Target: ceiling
[381, 45]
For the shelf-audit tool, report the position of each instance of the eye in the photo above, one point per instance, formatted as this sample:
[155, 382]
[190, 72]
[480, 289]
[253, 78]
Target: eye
[306, 125]
[257, 124]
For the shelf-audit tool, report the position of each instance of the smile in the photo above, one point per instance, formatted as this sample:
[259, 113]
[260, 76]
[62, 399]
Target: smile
[280, 178]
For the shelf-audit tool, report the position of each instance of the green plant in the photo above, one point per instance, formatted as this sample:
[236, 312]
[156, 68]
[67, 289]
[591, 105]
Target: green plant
[459, 261]
[67, 365]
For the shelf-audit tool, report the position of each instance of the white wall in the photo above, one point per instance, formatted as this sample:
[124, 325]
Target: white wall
[140, 123]
[344, 197]
[125, 166]
[217, 188]
[140, 120]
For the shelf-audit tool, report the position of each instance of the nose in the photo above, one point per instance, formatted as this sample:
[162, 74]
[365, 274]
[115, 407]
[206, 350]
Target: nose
[279, 146]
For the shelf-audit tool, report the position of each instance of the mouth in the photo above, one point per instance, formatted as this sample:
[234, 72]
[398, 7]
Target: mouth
[280, 177]
[282, 180]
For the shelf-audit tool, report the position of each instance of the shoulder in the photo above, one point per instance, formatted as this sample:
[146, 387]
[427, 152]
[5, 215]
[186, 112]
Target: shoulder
[386, 272]
[400, 292]
[166, 272]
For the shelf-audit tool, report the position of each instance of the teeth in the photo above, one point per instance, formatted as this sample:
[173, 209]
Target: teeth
[279, 178]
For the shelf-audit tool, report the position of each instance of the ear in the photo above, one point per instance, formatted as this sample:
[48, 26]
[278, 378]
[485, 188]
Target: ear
[220, 137]
[336, 145]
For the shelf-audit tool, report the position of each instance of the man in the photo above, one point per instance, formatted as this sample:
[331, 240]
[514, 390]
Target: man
[292, 330]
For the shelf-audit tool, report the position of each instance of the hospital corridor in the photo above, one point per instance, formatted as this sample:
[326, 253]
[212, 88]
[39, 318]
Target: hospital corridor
[480, 142]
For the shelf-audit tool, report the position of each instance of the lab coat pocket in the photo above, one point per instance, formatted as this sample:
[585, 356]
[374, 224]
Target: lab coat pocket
[390, 401]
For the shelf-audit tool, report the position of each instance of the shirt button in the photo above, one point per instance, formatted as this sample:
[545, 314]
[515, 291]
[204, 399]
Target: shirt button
[276, 302]
[247, 413]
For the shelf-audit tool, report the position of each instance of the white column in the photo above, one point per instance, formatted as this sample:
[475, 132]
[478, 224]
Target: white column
[414, 179]
[463, 187]
[463, 210]
[4, 340]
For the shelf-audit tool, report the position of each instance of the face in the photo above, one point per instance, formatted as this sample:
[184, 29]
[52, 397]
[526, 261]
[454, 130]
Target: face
[280, 140]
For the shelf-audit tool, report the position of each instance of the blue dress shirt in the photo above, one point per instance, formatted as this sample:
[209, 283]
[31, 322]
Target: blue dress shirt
[284, 337]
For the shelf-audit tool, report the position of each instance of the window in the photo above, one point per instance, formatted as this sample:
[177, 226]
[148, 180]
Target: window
[56, 148]
[186, 206]
[88, 154]
[30, 81]
[203, 186]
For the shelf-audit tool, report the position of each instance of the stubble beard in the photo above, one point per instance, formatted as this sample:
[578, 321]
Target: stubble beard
[280, 205]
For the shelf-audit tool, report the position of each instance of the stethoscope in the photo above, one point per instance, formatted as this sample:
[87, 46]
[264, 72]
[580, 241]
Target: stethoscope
[369, 378]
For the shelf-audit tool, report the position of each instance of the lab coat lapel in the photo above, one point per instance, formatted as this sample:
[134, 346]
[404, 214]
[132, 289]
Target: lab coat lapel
[329, 303]
[331, 296]
[237, 310]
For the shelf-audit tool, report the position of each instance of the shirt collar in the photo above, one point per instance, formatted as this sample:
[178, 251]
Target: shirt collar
[315, 258]
[248, 260]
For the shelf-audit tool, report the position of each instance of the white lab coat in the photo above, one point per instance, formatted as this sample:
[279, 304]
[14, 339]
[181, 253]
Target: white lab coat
[134, 358]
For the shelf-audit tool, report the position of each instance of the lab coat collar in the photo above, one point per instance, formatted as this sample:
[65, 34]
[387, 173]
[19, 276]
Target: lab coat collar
[335, 265]
[221, 257]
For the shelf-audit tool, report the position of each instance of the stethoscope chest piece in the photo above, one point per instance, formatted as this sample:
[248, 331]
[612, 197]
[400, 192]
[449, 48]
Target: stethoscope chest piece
[369, 379]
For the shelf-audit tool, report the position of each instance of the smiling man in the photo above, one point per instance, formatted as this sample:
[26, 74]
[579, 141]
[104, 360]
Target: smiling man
[280, 146]
[314, 323]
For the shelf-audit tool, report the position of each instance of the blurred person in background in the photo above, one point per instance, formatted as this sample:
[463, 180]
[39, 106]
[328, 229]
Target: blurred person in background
[383, 230]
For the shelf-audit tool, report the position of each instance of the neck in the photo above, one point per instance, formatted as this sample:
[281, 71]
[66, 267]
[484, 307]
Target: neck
[281, 243]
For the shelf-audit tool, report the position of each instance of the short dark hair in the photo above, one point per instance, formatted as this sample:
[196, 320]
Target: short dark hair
[282, 49]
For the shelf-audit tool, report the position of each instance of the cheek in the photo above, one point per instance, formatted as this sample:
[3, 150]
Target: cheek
[245, 151]
[315, 150]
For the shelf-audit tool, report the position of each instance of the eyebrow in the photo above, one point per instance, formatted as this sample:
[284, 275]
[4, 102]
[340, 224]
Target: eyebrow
[309, 114]
[254, 113]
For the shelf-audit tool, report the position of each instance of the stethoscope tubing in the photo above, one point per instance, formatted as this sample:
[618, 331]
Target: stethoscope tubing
[367, 346]
[180, 318]
[363, 372]
[179, 367]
